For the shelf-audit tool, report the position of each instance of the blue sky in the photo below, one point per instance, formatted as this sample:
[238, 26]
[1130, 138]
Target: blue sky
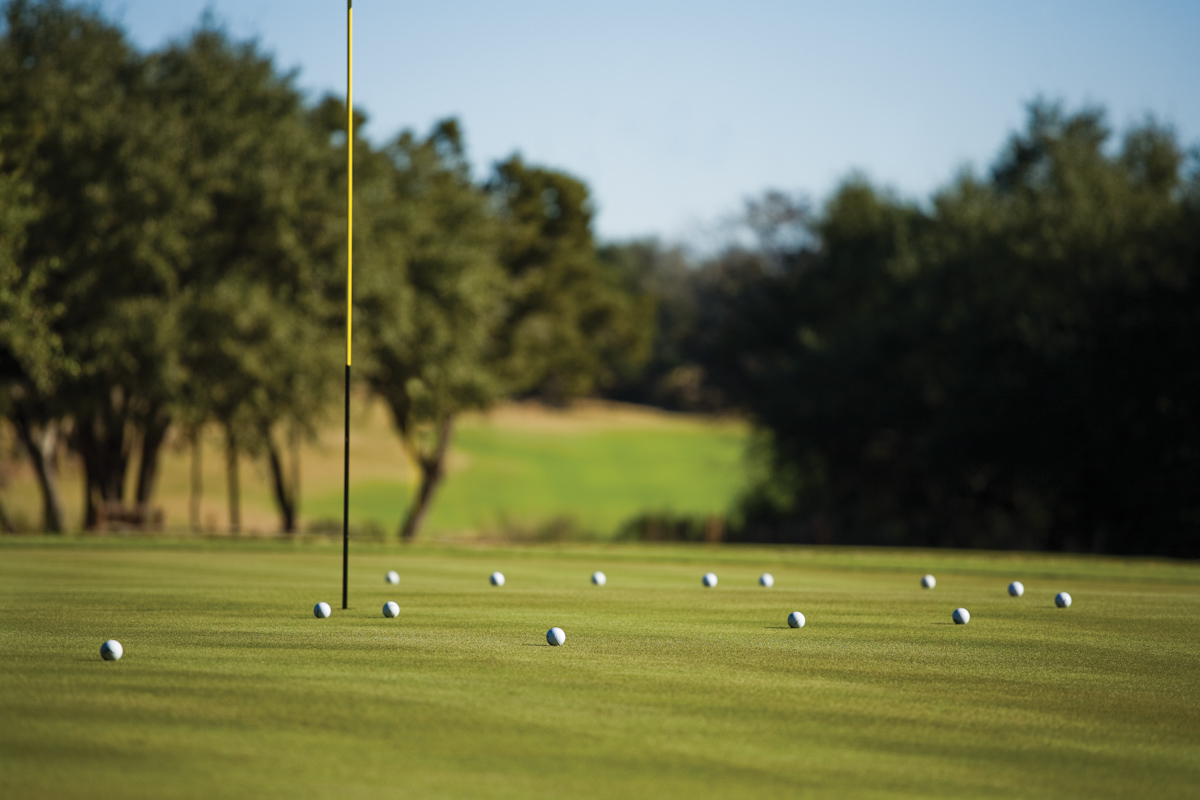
[675, 112]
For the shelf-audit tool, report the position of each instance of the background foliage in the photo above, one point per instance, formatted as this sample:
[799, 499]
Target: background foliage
[1013, 363]
[1009, 363]
[178, 217]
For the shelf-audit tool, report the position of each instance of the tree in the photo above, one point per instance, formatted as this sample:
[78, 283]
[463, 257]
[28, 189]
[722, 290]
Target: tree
[180, 196]
[1012, 366]
[80, 125]
[470, 295]
[429, 295]
[258, 290]
[675, 374]
[31, 358]
[572, 324]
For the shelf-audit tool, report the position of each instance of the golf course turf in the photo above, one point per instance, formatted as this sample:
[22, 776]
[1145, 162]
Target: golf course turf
[229, 687]
[518, 467]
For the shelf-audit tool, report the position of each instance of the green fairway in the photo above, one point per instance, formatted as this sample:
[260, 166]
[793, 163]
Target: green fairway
[596, 466]
[511, 471]
[522, 478]
[231, 688]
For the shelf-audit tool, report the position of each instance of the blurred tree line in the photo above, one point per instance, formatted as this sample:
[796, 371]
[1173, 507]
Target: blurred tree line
[1011, 363]
[1014, 363]
[172, 256]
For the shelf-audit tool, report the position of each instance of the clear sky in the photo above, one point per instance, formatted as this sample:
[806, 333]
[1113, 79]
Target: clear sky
[674, 112]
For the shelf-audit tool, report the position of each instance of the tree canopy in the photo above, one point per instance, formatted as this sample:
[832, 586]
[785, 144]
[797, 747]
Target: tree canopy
[1013, 364]
[172, 255]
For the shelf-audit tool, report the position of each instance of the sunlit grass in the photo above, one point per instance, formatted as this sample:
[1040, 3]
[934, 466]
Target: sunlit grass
[515, 469]
[513, 478]
[230, 688]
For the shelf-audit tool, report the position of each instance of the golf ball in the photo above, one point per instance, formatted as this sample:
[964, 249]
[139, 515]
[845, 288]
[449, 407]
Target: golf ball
[795, 620]
[111, 650]
[1016, 588]
[392, 577]
[599, 578]
[555, 637]
[766, 579]
[961, 616]
[390, 609]
[929, 581]
[322, 610]
[1062, 600]
[497, 579]
[710, 579]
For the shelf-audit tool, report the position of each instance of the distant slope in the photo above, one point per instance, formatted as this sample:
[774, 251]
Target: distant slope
[515, 469]
[598, 464]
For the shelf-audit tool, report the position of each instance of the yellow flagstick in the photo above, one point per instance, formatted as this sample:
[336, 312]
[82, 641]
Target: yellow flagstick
[349, 288]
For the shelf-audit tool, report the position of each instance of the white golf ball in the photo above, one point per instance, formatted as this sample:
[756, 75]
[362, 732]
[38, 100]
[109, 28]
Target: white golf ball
[555, 637]
[599, 578]
[929, 581]
[322, 610]
[1062, 600]
[392, 577]
[111, 650]
[390, 609]
[710, 579]
[1016, 588]
[766, 579]
[961, 616]
[497, 579]
[795, 620]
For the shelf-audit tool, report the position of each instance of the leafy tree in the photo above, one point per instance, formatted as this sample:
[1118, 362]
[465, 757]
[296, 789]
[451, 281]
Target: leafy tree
[571, 324]
[257, 291]
[675, 375]
[261, 363]
[466, 295]
[31, 358]
[81, 126]
[1013, 365]
[165, 186]
[1098, 322]
[694, 300]
[429, 295]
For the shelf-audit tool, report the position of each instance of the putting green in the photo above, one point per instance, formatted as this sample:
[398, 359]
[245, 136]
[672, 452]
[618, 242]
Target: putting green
[229, 686]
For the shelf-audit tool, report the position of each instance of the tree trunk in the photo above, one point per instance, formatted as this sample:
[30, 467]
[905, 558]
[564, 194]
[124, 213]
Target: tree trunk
[117, 460]
[152, 441]
[294, 455]
[105, 449]
[283, 497]
[42, 446]
[91, 502]
[433, 470]
[197, 484]
[231, 471]
[5, 523]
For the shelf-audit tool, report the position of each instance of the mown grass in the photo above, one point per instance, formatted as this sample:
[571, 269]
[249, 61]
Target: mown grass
[523, 479]
[230, 688]
[512, 472]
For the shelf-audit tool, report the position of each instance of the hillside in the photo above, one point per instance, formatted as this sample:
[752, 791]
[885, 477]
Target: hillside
[513, 471]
